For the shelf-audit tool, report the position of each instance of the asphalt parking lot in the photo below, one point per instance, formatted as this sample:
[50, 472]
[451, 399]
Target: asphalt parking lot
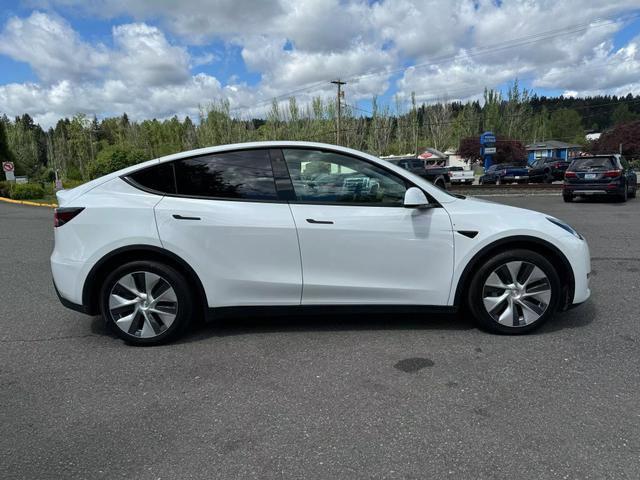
[355, 397]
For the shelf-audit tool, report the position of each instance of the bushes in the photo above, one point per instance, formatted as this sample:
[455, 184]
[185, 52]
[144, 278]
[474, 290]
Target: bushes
[5, 189]
[69, 184]
[26, 191]
[21, 191]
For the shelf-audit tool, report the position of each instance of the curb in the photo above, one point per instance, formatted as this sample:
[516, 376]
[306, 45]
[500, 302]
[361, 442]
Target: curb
[27, 202]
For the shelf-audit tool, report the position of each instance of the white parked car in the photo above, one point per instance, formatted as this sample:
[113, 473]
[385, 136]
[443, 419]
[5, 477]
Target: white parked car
[458, 175]
[296, 226]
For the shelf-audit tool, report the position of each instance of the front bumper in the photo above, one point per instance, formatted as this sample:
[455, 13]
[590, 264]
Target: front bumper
[580, 260]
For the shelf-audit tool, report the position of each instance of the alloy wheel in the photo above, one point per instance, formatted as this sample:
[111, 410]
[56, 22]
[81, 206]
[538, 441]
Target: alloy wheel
[143, 304]
[516, 293]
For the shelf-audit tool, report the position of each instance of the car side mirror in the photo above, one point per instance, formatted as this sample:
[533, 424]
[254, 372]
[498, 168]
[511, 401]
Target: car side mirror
[415, 198]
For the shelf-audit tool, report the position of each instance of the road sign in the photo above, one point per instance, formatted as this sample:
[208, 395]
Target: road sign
[8, 168]
[489, 150]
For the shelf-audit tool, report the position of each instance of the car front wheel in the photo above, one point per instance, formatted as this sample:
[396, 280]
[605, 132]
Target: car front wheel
[146, 302]
[514, 292]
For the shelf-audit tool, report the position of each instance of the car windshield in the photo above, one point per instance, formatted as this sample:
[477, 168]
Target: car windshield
[592, 163]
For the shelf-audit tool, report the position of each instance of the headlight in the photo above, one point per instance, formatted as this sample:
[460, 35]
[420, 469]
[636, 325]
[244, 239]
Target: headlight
[566, 227]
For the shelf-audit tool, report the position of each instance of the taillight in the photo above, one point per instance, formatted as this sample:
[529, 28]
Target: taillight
[569, 174]
[65, 215]
[612, 173]
[557, 165]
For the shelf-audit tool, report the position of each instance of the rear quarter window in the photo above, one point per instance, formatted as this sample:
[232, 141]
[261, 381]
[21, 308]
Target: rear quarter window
[158, 178]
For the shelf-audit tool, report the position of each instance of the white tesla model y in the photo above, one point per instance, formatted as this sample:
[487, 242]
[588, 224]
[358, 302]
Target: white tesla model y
[296, 226]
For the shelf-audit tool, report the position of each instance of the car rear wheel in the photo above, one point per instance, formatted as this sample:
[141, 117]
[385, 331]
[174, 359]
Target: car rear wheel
[146, 303]
[514, 292]
[625, 193]
[548, 177]
[567, 197]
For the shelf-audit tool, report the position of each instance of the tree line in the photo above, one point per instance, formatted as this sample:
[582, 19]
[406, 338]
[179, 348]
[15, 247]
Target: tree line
[81, 148]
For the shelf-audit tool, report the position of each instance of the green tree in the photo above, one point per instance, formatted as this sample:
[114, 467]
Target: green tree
[566, 125]
[622, 114]
[5, 154]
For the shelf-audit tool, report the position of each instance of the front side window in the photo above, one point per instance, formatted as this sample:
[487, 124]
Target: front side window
[241, 175]
[328, 177]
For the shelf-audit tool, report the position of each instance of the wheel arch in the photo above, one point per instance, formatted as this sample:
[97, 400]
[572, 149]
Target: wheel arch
[99, 272]
[538, 245]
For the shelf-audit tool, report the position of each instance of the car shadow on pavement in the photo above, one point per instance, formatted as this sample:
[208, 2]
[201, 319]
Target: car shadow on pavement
[578, 317]
[261, 324]
[324, 323]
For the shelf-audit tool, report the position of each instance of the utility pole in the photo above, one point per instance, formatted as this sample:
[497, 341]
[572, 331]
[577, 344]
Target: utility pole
[339, 105]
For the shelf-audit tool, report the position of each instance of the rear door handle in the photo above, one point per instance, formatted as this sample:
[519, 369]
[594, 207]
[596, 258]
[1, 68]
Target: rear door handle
[180, 217]
[322, 222]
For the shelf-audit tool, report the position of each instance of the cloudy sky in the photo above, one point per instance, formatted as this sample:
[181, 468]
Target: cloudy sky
[157, 58]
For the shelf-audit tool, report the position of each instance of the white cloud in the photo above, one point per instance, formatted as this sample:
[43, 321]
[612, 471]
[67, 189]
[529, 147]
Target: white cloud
[52, 48]
[460, 46]
[144, 56]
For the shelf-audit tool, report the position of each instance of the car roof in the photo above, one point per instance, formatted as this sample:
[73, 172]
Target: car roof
[444, 198]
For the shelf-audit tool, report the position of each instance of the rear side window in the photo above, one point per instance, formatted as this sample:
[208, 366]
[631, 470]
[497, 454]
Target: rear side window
[158, 178]
[243, 175]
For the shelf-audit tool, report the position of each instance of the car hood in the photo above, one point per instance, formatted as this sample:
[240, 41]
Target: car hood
[480, 215]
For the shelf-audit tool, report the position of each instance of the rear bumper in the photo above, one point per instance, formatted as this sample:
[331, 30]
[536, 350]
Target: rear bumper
[69, 304]
[461, 180]
[593, 188]
[68, 279]
[515, 178]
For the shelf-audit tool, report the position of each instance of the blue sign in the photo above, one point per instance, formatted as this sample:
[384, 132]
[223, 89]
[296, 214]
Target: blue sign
[487, 148]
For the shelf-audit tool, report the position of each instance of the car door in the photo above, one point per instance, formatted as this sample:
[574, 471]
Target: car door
[359, 245]
[226, 220]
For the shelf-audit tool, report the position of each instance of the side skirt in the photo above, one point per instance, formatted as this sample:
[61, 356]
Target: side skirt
[313, 310]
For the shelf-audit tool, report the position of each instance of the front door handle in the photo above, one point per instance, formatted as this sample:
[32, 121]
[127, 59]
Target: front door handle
[322, 222]
[180, 217]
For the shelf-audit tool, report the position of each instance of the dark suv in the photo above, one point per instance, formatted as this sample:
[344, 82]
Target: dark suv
[548, 169]
[600, 175]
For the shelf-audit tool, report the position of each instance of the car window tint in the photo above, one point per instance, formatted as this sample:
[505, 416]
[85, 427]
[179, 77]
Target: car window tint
[595, 163]
[327, 177]
[243, 175]
[158, 178]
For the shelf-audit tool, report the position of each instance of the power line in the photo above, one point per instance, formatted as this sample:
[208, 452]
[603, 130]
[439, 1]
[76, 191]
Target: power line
[471, 53]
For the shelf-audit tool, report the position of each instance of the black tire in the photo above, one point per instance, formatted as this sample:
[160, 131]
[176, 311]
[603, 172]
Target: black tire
[548, 177]
[632, 193]
[624, 195]
[567, 197]
[440, 182]
[185, 302]
[475, 294]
